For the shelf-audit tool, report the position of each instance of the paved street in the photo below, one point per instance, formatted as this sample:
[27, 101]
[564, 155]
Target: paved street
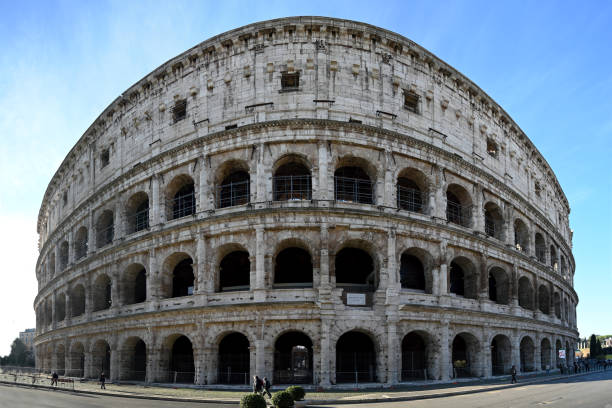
[17, 397]
[590, 391]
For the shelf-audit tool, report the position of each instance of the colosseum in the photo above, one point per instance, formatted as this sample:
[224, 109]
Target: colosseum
[310, 199]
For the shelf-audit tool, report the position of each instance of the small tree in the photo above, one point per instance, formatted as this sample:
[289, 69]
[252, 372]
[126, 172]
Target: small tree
[282, 399]
[253, 401]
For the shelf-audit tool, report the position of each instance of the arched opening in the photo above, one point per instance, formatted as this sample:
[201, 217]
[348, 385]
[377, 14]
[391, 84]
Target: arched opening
[105, 229]
[543, 299]
[134, 285]
[494, 221]
[527, 355]
[77, 300]
[60, 307]
[545, 354]
[355, 358]
[77, 360]
[134, 360]
[293, 359]
[293, 268]
[234, 360]
[501, 355]
[563, 267]
[463, 279]
[60, 357]
[464, 356]
[102, 293]
[414, 357]
[48, 312]
[412, 273]
[352, 184]
[553, 258]
[63, 255]
[235, 271]
[525, 295]
[80, 243]
[557, 301]
[100, 359]
[412, 191]
[183, 278]
[182, 369]
[540, 248]
[137, 212]
[52, 265]
[354, 268]
[458, 206]
[521, 236]
[292, 181]
[181, 197]
[234, 189]
[559, 360]
[499, 286]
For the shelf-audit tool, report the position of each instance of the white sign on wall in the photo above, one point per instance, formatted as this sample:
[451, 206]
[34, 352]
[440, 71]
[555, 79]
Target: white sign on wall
[356, 299]
[562, 353]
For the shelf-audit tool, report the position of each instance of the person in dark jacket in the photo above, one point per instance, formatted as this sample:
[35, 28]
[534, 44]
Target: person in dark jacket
[102, 381]
[513, 372]
[266, 386]
[54, 378]
[257, 385]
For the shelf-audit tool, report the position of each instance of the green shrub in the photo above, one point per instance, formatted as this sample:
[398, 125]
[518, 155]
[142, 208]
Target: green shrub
[282, 399]
[252, 401]
[296, 392]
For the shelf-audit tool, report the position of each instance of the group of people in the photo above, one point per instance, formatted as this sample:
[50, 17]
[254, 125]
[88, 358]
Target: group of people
[55, 377]
[261, 386]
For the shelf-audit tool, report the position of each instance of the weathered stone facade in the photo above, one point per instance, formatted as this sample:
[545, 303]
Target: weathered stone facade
[306, 182]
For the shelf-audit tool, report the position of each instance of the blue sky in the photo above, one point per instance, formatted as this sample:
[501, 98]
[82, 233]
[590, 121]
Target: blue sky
[548, 64]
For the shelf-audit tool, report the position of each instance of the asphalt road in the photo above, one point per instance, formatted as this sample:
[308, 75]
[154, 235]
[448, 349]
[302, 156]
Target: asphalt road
[18, 397]
[590, 391]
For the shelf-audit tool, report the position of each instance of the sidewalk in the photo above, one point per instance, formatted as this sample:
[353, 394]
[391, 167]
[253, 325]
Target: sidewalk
[403, 392]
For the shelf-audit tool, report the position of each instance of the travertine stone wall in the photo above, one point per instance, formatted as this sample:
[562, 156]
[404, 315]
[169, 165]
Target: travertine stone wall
[348, 110]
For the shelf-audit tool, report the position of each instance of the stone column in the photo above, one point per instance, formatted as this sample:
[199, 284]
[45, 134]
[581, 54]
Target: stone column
[156, 204]
[516, 352]
[445, 356]
[393, 366]
[204, 282]
[260, 257]
[53, 316]
[115, 360]
[324, 375]
[209, 355]
[91, 235]
[70, 248]
[389, 183]
[440, 196]
[483, 290]
[392, 272]
[478, 210]
[203, 186]
[153, 277]
[324, 256]
[260, 356]
[487, 366]
[260, 183]
[538, 353]
[114, 275]
[509, 221]
[323, 191]
[443, 278]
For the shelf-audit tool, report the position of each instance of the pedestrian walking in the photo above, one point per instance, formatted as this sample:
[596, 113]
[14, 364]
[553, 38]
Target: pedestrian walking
[266, 386]
[513, 372]
[102, 381]
[257, 385]
[54, 378]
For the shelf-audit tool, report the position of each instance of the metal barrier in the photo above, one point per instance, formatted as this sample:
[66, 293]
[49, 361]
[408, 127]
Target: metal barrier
[410, 199]
[182, 205]
[234, 193]
[288, 188]
[353, 190]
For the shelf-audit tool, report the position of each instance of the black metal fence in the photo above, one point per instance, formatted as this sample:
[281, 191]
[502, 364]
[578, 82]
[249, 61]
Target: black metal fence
[234, 193]
[288, 188]
[183, 205]
[353, 190]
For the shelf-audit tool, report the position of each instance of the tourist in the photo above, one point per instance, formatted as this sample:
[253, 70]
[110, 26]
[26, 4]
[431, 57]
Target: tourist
[102, 381]
[513, 372]
[266, 386]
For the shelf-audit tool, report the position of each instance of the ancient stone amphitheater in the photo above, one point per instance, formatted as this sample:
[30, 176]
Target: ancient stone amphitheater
[315, 200]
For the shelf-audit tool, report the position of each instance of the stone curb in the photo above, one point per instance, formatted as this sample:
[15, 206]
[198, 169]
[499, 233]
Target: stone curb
[308, 402]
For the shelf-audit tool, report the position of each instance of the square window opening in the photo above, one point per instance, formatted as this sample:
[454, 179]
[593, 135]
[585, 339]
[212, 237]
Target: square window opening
[411, 101]
[179, 111]
[290, 82]
[105, 158]
[492, 149]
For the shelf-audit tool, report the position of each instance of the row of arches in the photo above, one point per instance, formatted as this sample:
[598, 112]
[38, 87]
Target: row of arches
[353, 268]
[354, 181]
[356, 354]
